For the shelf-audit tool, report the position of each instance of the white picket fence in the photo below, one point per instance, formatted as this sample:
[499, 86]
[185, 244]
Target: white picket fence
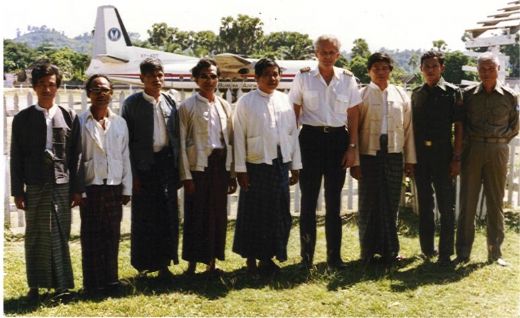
[17, 99]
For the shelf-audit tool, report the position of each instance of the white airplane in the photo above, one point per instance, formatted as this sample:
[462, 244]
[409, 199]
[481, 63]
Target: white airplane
[114, 55]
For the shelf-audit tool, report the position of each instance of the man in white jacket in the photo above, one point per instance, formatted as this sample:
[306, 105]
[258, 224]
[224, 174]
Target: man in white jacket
[108, 180]
[266, 147]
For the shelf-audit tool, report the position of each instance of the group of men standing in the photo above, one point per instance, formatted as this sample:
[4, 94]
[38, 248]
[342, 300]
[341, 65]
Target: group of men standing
[98, 160]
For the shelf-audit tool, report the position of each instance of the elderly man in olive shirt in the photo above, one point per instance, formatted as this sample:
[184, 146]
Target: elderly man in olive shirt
[491, 122]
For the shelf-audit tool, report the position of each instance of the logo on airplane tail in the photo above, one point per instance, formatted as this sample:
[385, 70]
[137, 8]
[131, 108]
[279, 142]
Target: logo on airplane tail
[114, 34]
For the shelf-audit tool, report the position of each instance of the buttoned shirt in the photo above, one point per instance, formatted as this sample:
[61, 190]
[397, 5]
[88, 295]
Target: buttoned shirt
[160, 135]
[322, 104]
[195, 129]
[262, 122]
[399, 117]
[435, 109]
[106, 157]
[49, 114]
[215, 127]
[490, 115]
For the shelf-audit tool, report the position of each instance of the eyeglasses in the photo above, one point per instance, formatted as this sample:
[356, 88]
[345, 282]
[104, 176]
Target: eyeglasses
[208, 76]
[97, 90]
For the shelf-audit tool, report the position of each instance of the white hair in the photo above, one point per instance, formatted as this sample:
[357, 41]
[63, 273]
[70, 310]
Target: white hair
[327, 38]
[488, 57]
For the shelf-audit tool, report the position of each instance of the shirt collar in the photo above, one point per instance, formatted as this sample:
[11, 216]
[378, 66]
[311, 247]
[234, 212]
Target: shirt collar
[374, 86]
[151, 99]
[51, 110]
[264, 94]
[497, 88]
[205, 100]
[316, 71]
[440, 84]
[109, 115]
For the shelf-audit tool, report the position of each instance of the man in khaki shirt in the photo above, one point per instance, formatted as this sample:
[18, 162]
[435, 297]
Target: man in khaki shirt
[490, 124]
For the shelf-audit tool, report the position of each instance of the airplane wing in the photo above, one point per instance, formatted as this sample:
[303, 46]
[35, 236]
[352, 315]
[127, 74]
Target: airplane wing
[111, 59]
[233, 64]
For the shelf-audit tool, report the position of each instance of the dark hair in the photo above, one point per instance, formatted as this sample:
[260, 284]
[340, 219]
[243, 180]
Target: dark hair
[202, 64]
[88, 83]
[264, 63]
[150, 65]
[42, 69]
[431, 55]
[380, 57]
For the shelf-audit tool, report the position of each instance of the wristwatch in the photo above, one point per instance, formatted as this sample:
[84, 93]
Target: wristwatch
[352, 146]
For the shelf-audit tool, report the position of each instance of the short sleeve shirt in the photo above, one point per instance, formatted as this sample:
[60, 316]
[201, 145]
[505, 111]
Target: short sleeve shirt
[322, 104]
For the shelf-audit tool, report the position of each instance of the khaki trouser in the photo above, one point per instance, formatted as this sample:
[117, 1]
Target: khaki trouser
[482, 164]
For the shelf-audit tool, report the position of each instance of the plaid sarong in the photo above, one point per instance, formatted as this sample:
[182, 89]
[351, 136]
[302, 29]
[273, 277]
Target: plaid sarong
[100, 233]
[205, 213]
[47, 232]
[264, 220]
[379, 194]
[155, 217]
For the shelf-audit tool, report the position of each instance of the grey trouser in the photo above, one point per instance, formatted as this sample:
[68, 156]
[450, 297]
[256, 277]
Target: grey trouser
[482, 164]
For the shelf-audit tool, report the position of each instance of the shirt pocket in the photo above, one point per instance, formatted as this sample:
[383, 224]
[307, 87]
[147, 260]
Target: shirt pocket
[115, 169]
[89, 170]
[60, 136]
[255, 149]
[310, 100]
[342, 103]
[191, 153]
[396, 112]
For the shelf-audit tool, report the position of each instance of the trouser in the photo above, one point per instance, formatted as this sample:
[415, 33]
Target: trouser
[322, 153]
[482, 164]
[433, 169]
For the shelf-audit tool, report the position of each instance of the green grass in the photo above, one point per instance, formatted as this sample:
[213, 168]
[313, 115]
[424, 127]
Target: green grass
[417, 288]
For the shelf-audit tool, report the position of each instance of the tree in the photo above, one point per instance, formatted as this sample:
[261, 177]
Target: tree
[240, 35]
[440, 45]
[17, 56]
[453, 62]
[513, 51]
[358, 66]
[360, 48]
[413, 62]
[289, 45]
[160, 35]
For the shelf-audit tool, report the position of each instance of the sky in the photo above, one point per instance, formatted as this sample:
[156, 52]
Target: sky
[398, 24]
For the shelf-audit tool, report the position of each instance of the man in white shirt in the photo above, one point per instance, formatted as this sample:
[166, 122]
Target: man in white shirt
[266, 148]
[326, 104]
[108, 181]
[153, 126]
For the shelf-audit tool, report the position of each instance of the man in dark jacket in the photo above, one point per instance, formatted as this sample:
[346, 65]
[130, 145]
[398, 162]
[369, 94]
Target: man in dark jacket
[46, 175]
[153, 127]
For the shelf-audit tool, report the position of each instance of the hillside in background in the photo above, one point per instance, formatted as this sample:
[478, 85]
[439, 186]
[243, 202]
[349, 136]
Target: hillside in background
[51, 38]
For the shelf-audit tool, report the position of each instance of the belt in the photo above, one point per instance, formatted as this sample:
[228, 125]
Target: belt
[490, 140]
[325, 129]
[429, 143]
[219, 152]
[162, 152]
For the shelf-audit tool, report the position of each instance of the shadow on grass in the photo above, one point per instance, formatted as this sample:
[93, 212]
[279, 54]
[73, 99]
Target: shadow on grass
[209, 286]
[425, 273]
[429, 273]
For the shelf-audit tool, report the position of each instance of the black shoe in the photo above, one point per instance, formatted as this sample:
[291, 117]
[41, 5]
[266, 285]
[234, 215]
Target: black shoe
[268, 267]
[61, 295]
[336, 265]
[117, 286]
[444, 261]
[165, 274]
[33, 295]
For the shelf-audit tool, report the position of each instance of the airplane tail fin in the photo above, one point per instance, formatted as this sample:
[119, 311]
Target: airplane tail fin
[111, 41]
